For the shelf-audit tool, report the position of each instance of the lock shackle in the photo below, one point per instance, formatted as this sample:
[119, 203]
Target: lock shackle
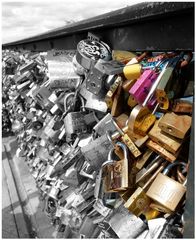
[157, 160]
[170, 166]
[82, 104]
[117, 127]
[65, 99]
[124, 148]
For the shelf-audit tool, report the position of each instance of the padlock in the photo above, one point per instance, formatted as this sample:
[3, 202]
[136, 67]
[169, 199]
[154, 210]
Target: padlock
[89, 51]
[117, 173]
[141, 120]
[143, 110]
[117, 106]
[87, 228]
[69, 102]
[78, 69]
[96, 151]
[150, 168]
[24, 77]
[104, 125]
[142, 86]
[175, 125]
[125, 224]
[86, 171]
[166, 191]
[162, 151]
[109, 98]
[139, 201]
[182, 106]
[132, 71]
[107, 199]
[66, 79]
[27, 67]
[91, 119]
[74, 123]
[93, 102]
[72, 177]
[165, 140]
[129, 143]
[55, 189]
[41, 95]
[95, 78]
[72, 157]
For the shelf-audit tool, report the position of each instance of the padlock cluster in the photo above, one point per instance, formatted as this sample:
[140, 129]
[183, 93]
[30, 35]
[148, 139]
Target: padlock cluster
[105, 134]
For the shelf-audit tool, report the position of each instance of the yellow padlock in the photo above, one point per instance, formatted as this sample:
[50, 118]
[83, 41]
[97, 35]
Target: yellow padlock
[133, 71]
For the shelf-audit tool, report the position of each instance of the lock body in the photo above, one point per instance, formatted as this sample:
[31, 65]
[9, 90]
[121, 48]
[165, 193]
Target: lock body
[142, 86]
[175, 125]
[165, 140]
[162, 151]
[74, 123]
[166, 192]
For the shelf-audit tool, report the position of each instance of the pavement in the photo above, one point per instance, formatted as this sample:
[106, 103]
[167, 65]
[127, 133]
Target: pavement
[22, 210]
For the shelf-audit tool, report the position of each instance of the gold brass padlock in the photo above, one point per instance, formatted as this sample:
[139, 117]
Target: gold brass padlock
[162, 151]
[175, 125]
[127, 140]
[165, 140]
[166, 191]
[117, 172]
[117, 106]
[141, 120]
[109, 98]
[139, 201]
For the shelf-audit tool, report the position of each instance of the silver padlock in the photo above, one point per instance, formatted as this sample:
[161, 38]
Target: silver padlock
[86, 171]
[72, 177]
[74, 123]
[93, 102]
[89, 51]
[61, 70]
[104, 125]
[125, 224]
[55, 189]
[95, 79]
[96, 151]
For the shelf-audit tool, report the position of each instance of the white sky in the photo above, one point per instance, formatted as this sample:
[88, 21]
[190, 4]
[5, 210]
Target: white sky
[22, 19]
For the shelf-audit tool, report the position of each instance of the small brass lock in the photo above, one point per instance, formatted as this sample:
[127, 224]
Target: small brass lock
[117, 172]
[175, 125]
[166, 191]
[139, 202]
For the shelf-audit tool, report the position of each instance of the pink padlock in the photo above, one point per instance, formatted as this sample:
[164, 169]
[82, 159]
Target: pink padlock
[142, 86]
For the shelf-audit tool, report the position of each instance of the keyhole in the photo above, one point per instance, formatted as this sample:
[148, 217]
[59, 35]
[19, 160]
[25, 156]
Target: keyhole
[169, 129]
